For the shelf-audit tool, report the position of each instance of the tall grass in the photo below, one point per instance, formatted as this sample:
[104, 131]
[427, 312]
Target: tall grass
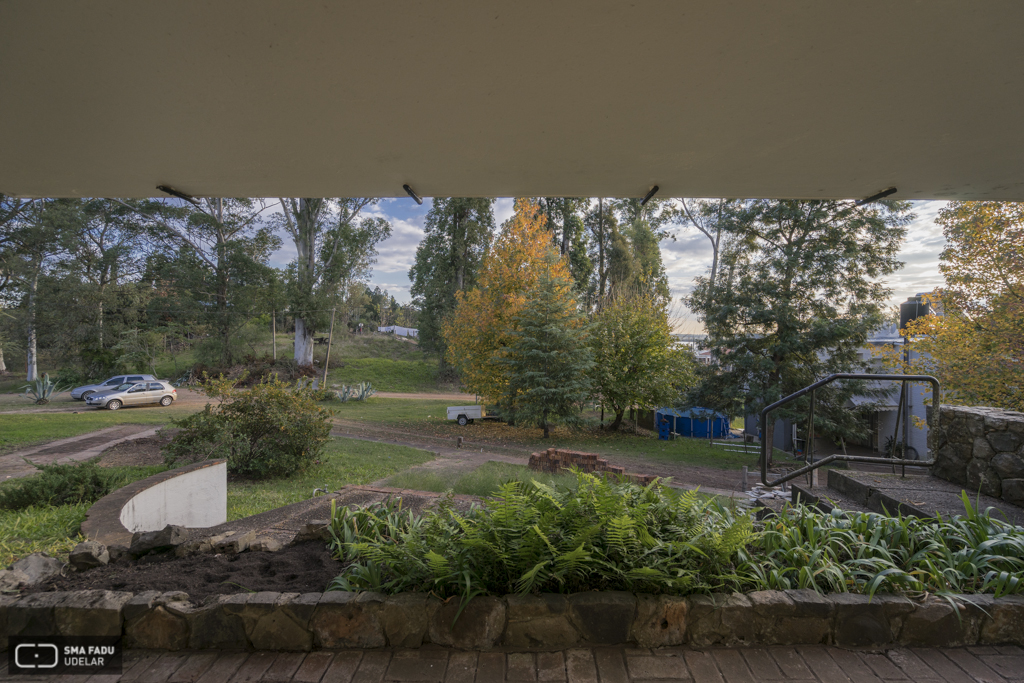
[483, 481]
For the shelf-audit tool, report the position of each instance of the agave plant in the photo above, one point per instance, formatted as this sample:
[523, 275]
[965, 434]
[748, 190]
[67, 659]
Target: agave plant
[356, 392]
[42, 390]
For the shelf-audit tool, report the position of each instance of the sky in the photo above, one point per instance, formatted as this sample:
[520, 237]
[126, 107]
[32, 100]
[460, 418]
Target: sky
[685, 258]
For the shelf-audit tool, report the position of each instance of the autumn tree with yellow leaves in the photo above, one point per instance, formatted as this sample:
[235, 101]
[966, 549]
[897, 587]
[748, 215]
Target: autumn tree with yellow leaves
[976, 345]
[483, 322]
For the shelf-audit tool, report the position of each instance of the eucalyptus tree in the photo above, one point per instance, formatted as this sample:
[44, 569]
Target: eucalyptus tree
[216, 257]
[708, 216]
[457, 233]
[335, 248]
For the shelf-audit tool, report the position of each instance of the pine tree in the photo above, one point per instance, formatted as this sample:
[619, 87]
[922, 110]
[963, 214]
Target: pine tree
[548, 360]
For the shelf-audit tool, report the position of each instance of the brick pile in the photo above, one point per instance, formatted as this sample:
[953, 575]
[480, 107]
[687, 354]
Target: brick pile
[554, 460]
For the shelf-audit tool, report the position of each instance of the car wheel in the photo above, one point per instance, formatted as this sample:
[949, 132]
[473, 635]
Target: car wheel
[463, 421]
[86, 395]
[166, 401]
[113, 405]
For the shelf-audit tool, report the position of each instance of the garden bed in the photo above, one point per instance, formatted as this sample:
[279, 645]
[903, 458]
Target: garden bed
[302, 568]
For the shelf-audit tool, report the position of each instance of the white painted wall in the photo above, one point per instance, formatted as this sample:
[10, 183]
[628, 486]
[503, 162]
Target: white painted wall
[196, 499]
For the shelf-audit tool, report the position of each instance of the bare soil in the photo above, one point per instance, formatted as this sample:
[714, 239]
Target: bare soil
[301, 568]
[137, 451]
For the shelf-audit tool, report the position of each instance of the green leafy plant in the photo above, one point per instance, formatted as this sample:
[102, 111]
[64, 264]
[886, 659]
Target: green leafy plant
[270, 430]
[56, 485]
[535, 538]
[42, 390]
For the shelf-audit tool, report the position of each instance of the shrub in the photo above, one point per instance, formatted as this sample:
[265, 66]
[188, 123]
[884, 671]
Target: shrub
[607, 536]
[56, 485]
[270, 430]
[535, 538]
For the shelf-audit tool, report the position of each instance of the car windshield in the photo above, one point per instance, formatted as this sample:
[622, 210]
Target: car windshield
[126, 386]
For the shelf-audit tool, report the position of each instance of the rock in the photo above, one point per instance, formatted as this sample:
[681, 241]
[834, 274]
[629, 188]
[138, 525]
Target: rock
[235, 543]
[267, 544]
[980, 476]
[479, 626]
[536, 621]
[660, 621]
[790, 617]
[217, 625]
[603, 618]
[1008, 466]
[156, 629]
[12, 579]
[405, 619]
[91, 613]
[32, 614]
[861, 622]
[118, 552]
[1004, 441]
[315, 530]
[982, 449]
[934, 623]
[5, 603]
[88, 554]
[38, 567]
[155, 541]
[343, 619]
[270, 625]
[719, 619]
[1005, 623]
[1013, 491]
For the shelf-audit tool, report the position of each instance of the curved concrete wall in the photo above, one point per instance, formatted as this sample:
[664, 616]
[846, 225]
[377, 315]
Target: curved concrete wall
[195, 496]
[196, 499]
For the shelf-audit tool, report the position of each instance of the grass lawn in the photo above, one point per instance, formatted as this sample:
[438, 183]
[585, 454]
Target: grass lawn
[346, 461]
[483, 481]
[386, 374]
[21, 430]
[54, 529]
[427, 418]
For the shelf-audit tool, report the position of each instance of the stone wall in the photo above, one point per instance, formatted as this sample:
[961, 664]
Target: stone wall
[555, 460]
[981, 449]
[311, 621]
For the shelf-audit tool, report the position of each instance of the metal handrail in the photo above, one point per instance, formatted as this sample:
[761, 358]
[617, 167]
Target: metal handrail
[932, 421]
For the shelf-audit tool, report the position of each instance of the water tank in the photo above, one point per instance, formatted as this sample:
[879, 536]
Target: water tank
[913, 308]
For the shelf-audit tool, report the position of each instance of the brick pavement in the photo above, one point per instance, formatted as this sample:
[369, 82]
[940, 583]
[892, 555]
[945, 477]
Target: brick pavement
[597, 665]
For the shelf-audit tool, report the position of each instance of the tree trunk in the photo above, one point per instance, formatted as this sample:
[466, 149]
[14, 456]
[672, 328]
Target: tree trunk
[600, 247]
[303, 342]
[3, 365]
[614, 427]
[31, 355]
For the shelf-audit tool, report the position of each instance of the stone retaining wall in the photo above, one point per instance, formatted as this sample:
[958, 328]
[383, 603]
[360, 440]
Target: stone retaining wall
[303, 622]
[556, 459]
[981, 449]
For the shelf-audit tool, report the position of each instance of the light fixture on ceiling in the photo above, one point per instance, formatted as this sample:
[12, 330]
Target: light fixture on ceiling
[876, 197]
[409, 191]
[647, 197]
[175, 193]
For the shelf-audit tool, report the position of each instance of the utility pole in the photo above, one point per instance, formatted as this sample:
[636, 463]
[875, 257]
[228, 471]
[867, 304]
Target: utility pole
[330, 339]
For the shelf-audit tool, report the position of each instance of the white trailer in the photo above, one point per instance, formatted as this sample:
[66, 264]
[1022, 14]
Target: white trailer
[464, 415]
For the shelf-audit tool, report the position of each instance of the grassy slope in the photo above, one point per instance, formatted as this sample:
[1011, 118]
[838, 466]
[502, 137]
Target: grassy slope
[483, 481]
[427, 418]
[347, 461]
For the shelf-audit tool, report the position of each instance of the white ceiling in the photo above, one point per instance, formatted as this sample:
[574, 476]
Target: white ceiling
[537, 97]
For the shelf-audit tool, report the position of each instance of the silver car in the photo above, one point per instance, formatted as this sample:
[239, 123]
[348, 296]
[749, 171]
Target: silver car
[134, 394]
[84, 392]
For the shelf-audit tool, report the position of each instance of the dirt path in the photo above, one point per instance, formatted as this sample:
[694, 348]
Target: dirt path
[473, 454]
[23, 463]
[460, 399]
